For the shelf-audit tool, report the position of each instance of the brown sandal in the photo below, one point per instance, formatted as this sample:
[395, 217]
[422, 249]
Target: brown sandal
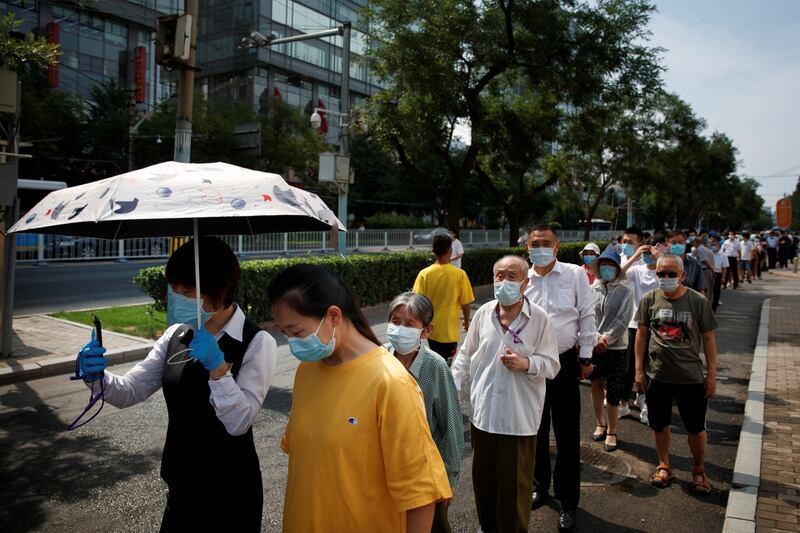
[662, 476]
[702, 487]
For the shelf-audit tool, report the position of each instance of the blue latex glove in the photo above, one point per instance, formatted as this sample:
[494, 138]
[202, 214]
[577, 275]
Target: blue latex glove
[205, 349]
[91, 361]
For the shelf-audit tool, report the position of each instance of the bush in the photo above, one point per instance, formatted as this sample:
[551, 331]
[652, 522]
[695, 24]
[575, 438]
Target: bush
[393, 221]
[374, 279]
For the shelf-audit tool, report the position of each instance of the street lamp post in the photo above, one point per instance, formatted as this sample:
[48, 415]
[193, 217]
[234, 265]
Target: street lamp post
[256, 39]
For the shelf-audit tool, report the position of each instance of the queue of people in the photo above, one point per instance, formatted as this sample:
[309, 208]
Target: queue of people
[375, 438]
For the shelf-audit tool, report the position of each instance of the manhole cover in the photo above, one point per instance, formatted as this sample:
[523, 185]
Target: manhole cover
[598, 467]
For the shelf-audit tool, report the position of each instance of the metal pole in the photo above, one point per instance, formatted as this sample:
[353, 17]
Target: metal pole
[8, 303]
[183, 122]
[344, 145]
[40, 250]
[630, 206]
[199, 300]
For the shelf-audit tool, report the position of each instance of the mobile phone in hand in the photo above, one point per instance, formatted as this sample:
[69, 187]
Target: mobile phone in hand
[98, 330]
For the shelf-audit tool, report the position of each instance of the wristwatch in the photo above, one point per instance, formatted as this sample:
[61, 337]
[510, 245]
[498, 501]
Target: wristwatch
[585, 361]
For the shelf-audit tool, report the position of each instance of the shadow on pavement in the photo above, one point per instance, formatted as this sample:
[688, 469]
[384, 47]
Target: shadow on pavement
[279, 399]
[43, 462]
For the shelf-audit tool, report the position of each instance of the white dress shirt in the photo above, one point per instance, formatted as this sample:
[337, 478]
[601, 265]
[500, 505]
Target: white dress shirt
[236, 402]
[457, 249]
[720, 262]
[502, 401]
[565, 295]
[731, 248]
[641, 280]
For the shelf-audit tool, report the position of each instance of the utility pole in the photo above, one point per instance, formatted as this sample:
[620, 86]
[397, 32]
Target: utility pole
[630, 205]
[183, 121]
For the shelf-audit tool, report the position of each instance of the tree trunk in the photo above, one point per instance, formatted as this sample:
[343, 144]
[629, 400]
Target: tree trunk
[454, 206]
[587, 227]
[513, 215]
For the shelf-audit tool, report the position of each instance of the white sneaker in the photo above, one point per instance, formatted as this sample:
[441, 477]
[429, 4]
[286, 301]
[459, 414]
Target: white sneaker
[624, 410]
[643, 416]
[605, 403]
[639, 403]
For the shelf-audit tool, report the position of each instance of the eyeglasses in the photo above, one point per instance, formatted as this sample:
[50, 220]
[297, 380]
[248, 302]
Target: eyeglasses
[667, 274]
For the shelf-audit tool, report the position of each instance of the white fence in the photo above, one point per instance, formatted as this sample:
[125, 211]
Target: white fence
[49, 248]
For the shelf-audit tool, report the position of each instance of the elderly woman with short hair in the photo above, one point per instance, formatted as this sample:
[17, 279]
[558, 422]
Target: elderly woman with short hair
[410, 321]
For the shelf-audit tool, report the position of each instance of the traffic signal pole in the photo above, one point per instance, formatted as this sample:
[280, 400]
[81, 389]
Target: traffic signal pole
[183, 120]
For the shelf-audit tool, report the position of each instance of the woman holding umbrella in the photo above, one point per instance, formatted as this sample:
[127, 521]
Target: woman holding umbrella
[213, 388]
[361, 456]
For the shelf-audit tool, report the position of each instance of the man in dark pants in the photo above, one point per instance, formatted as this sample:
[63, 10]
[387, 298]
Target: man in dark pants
[731, 249]
[563, 291]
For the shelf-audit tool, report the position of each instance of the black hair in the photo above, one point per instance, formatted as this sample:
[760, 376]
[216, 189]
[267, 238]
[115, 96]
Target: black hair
[544, 227]
[675, 233]
[441, 245]
[453, 230]
[219, 269]
[650, 241]
[635, 230]
[310, 290]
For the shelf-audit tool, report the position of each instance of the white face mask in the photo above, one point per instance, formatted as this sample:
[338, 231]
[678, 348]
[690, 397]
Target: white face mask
[404, 339]
[668, 284]
[542, 256]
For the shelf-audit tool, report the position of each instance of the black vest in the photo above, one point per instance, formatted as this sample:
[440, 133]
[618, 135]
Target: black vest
[199, 452]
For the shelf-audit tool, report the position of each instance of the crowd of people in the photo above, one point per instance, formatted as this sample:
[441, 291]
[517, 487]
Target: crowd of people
[375, 437]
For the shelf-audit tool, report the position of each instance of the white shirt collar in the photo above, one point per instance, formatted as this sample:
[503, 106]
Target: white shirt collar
[235, 326]
[557, 267]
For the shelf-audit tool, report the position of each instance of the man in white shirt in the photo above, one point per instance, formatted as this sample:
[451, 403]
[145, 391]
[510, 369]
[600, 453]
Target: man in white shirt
[720, 267]
[632, 239]
[731, 249]
[705, 257]
[562, 289]
[745, 253]
[457, 249]
[509, 351]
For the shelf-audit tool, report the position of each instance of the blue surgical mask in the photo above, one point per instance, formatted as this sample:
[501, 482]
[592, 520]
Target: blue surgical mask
[311, 349]
[403, 338]
[183, 310]
[690, 239]
[507, 292]
[589, 259]
[668, 284]
[541, 256]
[648, 259]
[627, 249]
[608, 272]
[677, 249]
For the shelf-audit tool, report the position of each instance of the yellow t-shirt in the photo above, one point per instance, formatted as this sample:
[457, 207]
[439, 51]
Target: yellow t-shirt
[360, 450]
[448, 288]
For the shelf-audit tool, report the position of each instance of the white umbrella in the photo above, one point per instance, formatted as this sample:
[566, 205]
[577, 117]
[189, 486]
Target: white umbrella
[174, 198]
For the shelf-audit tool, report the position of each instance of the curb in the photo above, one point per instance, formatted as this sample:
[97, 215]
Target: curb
[740, 514]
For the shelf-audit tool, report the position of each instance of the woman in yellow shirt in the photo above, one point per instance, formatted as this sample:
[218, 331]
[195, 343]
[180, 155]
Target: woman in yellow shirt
[361, 456]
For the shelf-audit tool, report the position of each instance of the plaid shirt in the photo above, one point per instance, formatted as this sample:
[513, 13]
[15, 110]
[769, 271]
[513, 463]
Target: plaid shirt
[442, 407]
[694, 274]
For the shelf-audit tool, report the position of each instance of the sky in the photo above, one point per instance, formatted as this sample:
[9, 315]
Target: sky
[737, 62]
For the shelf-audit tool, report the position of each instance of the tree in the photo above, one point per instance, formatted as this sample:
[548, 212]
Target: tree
[108, 120]
[18, 52]
[796, 206]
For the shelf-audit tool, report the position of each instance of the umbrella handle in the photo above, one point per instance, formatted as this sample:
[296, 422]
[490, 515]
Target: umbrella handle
[199, 300]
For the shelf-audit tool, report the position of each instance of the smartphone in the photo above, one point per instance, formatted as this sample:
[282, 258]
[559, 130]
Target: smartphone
[98, 330]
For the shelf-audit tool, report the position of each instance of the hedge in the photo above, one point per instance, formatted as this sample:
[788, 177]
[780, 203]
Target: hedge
[374, 279]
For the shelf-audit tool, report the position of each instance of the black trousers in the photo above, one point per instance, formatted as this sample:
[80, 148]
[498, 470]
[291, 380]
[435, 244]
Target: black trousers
[562, 407]
[445, 349]
[733, 271]
[772, 257]
[630, 367]
[242, 500]
[717, 289]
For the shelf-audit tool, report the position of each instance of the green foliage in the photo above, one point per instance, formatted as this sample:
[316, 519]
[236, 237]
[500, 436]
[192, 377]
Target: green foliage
[287, 141]
[107, 123]
[392, 221]
[374, 279]
[15, 54]
[138, 320]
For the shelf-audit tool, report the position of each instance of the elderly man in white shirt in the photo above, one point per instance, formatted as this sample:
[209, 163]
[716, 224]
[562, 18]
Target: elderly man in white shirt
[563, 291]
[509, 351]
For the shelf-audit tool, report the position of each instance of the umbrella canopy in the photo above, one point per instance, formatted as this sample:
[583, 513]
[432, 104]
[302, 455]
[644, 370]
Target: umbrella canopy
[166, 199]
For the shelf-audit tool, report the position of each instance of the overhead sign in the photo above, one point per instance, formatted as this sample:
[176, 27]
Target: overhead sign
[783, 213]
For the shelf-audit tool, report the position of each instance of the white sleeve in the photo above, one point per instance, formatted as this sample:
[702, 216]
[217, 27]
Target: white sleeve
[237, 402]
[544, 363]
[587, 328]
[461, 363]
[141, 381]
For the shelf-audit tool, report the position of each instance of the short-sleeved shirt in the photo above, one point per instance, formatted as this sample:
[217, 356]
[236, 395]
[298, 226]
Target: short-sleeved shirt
[448, 288]
[676, 329]
[642, 280]
[457, 249]
[360, 450]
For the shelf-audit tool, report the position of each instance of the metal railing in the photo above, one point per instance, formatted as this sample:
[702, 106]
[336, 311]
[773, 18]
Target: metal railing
[54, 248]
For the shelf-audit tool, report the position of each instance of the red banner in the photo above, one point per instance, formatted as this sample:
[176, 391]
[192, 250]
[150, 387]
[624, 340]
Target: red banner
[53, 36]
[139, 72]
[783, 213]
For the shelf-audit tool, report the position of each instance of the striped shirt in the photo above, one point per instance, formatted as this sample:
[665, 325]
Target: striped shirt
[442, 407]
[694, 274]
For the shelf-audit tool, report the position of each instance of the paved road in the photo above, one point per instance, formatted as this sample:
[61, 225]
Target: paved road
[70, 286]
[105, 476]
